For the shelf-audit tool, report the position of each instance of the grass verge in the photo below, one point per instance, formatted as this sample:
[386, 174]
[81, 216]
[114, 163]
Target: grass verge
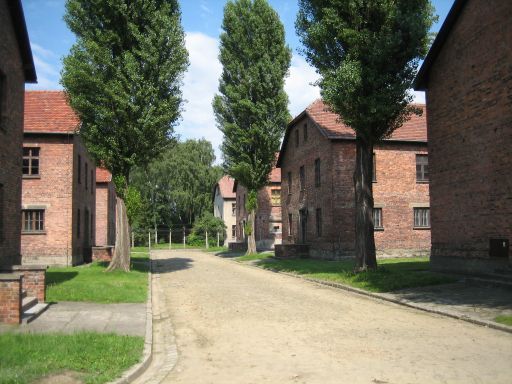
[255, 256]
[92, 357]
[504, 319]
[92, 283]
[391, 275]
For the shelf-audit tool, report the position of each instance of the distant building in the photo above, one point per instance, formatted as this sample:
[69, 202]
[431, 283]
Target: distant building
[317, 162]
[467, 77]
[105, 208]
[59, 186]
[268, 215]
[224, 206]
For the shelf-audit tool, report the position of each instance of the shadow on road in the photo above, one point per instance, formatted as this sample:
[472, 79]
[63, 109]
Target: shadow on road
[171, 265]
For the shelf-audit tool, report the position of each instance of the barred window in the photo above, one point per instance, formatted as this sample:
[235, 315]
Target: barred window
[30, 161]
[319, 222]
[289, 183]
[276, 196]
[290, 221]
[317, 172]
[302, 179]
[421, 168]
[421, 217]
[233, 209]
[233, 231]
[377, 218]
[32, 220]
[374, 170]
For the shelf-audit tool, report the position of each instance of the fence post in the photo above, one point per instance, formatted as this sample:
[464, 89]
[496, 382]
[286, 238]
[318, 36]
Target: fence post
[156, 236]
[184, 239]
[133, 239]
[149, 240]
[218, 239]
[170, 238]
[206, 239]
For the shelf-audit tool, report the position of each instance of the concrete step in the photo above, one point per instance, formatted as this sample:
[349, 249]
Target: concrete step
[27, 303]
[33, 313]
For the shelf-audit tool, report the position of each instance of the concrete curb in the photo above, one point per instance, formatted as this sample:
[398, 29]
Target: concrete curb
[147, 354]
[391, 299]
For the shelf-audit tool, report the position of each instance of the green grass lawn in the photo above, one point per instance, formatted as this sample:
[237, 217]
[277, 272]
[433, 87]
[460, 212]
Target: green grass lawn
[504, 319]
[391, 275]
[96, 358]
[255, 256]
[92, 283]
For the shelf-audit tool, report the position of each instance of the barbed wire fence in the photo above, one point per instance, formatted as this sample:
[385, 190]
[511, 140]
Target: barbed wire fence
[174, 238]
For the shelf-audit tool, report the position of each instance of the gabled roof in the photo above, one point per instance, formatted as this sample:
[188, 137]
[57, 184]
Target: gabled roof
[20, 29]
[225, 185]
[421, 81]
[103, 175]
[329, 124]
[49, 112]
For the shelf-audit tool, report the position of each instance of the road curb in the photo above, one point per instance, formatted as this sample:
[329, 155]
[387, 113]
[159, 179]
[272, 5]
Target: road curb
[387, 298]
[147, 354]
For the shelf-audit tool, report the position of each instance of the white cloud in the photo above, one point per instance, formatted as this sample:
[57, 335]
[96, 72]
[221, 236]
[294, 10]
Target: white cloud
[47, 68]
[299, 85]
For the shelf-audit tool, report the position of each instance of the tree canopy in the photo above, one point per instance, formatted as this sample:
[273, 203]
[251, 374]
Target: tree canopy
[123, 77]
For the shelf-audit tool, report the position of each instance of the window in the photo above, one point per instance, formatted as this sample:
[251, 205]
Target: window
[374, 170]
[32, 220]
[79, 169]
[297, 137]
[276, 196]
[30, 162]
[233, 209]
[421, 168]
[302, 179]
[92, 182]
[86, 175]
[317, 172]
[78, 224]
[289, 183]
[305, 132]
[290, 222]
[275, 228]
[233, 231]
[319, 222]
[421, 217]
[377, 218]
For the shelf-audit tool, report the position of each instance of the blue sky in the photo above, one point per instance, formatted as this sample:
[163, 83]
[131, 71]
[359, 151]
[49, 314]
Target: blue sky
[51, 40]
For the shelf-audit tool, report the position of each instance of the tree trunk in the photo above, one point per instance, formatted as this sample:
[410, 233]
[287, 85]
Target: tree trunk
[251, 238]
[121, 258]
[365, 242]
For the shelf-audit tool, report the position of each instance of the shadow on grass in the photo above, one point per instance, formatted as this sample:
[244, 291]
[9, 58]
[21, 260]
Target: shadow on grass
[171, 265]
[59, 277]
[229, 254]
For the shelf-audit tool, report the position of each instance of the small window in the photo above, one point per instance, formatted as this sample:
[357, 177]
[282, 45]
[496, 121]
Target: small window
[30, 161]
[32, 220]
[86, 175]
[297, 137]
[421, 218]
[305, 132]
[302, 179]
[377, 218]
[421, 168]
[290, 223]
[276, 197]
[233, 209]
[78, 224]
[374, 169]
[79, 169]
[289, 183]
[317, 172]
[319, 222]
[233, 231]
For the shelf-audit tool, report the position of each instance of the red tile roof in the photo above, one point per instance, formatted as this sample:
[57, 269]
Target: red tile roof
[103, 175]
[49, 111]
[415, 129]
[226, 187]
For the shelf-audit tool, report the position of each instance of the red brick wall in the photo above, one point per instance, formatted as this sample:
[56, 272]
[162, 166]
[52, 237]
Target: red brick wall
[470, 136]
[105, 214]
[34, 280]
[10, 299]
[11, 137]
[396, 191]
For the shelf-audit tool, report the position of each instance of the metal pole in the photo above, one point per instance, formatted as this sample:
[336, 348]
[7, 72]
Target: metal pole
[149, 240]
[156, 235]
[170, 238]
[133, 239]
[218, 239]
[206, 239]
[184, 239]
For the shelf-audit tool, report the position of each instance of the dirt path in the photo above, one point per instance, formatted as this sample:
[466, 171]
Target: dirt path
[237, 324]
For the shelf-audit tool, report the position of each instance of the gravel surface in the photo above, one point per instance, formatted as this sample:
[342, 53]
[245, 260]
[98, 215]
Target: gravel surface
[238, 324]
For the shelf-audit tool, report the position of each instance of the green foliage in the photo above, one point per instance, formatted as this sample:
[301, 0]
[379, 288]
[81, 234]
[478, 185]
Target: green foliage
[251, 108]
[177, 186]
[123, 77]
[135, 207]
[366, 53]
[210, 223]
[504, 319]
[91, 357]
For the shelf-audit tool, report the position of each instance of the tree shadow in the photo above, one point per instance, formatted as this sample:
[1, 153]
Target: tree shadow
[59, 277]
[171, 265]
[229, 254]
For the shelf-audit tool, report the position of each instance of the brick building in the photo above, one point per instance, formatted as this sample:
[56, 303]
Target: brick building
[317, 162]
[59, 186]
[105, 208]
[268, 215]
[224, 206]
[467, 76]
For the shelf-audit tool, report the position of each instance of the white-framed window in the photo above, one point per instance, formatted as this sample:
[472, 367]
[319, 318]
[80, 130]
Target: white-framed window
[377, 218]
[421, 217]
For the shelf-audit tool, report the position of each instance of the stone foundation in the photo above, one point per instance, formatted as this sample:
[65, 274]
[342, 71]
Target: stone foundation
[238, 247]
[103, 253]
[292, 251]
[10, 298]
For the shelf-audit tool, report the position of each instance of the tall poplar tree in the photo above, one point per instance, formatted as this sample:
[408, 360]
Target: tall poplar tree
[123, 77]
[252, 107]
[366, 52]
